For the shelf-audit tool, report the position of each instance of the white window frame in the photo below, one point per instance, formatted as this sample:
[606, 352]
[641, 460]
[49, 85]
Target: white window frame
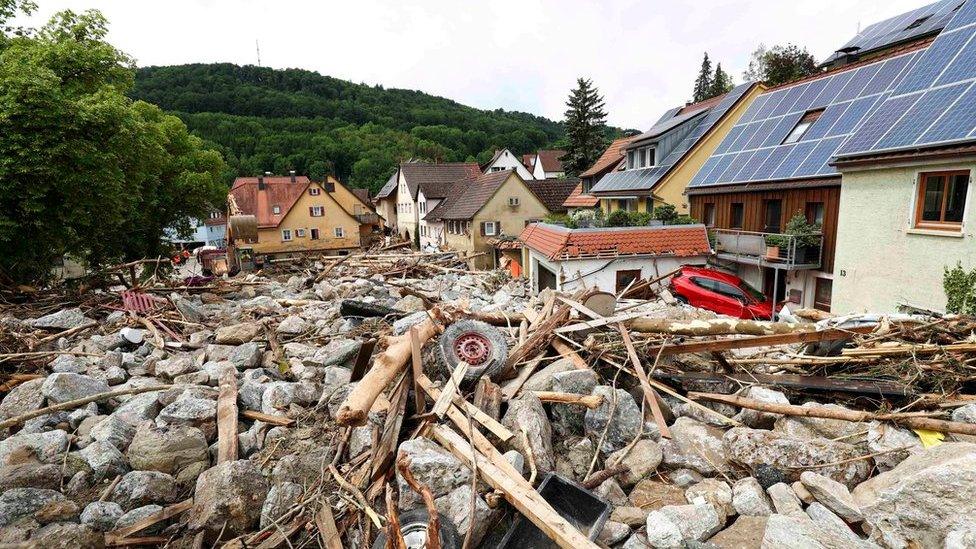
[286, 235]
[318, 211]
[339, 232]
[300, 233]
[314, 191]
[513, 201]
[276, 210]
[494, 228]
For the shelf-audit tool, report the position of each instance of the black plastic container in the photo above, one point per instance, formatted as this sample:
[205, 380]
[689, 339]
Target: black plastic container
[581, 507]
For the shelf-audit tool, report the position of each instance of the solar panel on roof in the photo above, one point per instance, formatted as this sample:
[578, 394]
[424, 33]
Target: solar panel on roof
[826, 120]
[794, 159]
[806, 100]
[852, 116]
[932, 105]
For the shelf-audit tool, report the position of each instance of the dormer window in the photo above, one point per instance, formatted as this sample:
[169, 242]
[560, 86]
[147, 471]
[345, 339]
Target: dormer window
[276, 210]
[802, 126]
[640, 158]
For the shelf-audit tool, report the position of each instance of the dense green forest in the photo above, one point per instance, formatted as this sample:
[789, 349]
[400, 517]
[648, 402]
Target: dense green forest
[264, 119]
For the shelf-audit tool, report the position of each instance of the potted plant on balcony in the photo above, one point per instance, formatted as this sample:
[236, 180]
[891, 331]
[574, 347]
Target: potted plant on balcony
[773, 244]
[807, 236]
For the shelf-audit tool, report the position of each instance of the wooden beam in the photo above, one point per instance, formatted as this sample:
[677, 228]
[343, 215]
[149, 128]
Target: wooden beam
[791, 381]
[450, 389]
[477, 414]
[417, 363]
[327, 527]
[650, 395]
[757, 341]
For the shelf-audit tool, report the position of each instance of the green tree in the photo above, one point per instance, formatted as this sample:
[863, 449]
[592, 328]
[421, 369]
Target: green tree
[84, 170]
[703, 84]
[779, 64]
[585, 121]
[721, 82]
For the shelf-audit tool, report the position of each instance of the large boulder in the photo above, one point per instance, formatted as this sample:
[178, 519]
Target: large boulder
[101, 515]
[832, 494]
[670, 525]
[170, 450]
[63, 387]
[281, 497]
[624, 419]
[138, 488]
[817, 427]
[237, 334]
[695, 445]
[755, 418]
[67, 535]
[433, 467]
[922, 498]
[527, 413]
[105, 460]
[64, 319]
[800, 532]
[48, 446]
[749, 499]
[641, 461]
[22, 399]
[754, 448]
[228, 498]
[24, 502]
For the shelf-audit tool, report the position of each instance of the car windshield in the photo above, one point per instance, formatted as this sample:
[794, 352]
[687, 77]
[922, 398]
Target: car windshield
[752, 292]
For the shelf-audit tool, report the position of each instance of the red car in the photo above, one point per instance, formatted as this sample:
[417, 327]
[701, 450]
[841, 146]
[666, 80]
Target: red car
[721, 292]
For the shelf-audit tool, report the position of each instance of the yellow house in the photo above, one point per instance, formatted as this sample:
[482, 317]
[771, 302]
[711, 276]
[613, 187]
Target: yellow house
[659, 163]
[370, 224]
[480, 211]
[295, 215]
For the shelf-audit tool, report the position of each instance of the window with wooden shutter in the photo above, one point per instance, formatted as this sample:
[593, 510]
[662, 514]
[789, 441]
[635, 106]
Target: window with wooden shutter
[483, 224]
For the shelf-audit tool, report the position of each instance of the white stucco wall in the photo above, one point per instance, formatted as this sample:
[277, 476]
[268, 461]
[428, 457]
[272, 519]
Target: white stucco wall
[881, 261]
[507, 161]
[572, 275]
[406, 220]
[432, 233]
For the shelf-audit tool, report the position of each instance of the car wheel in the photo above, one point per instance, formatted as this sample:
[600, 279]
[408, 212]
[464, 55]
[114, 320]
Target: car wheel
[479, 344]
[413, 528]
[681, 299]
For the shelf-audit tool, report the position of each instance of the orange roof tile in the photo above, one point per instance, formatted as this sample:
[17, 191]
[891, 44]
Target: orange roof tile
[279, 191]
[557, 242]
[551, 159]
[577, 199]
[610, 157]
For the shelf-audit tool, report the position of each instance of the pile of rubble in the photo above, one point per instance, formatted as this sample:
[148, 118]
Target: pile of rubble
[392, 401]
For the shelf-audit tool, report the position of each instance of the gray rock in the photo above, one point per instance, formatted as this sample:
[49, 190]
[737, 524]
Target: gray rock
[192, 412]
[67, 535]
[113, 375]
[337, 352]
[749, 498]
[834, 495]
[669, 525]
[685, 478]
[101, 516]
[883, 438]
[962, 537]
[611, 491]
[432, 466]
[965, 414]
[755, 418]
[543, 379]
[784, 499]
[228, 498]
[281, 497]
[814, 427]
[456, 506]
[410, 304]
[134, 336]
[170, 450]
[745, 533]
[59, 388]
[713, 491]
[139, 408]
[138, 514]
[22, 469]
[113, 430]
[527, 413]
[24, 502]
[400, 326]
[830, 522]
[242, 357]
[178, 365]
[22, 399]
[333, 377]
[292, 325]
[516, 459]
[573, 456]
[636, 541]
[49, 447]
[695, 445]
[105, 460]
[189, 309]
[753, 447]
[568, 418]
[237, 334]
[279, 396]
[802, 493]
[68, 364]
[138, 488]
[922, 498]
[800, 532]
[613, 533]
[641, 461]
[624, 422]
[64, 319]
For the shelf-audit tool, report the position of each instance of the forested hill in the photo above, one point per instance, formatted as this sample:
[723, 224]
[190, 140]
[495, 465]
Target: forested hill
[278, 120]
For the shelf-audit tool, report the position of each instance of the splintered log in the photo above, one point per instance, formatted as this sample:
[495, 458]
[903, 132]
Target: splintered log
[907, 419]
[589, 401]
[716, 326]
[386, 367]
[758, 341]
[227, 416]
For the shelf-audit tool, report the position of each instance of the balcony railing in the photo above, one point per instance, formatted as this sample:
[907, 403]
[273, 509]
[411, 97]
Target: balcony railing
[778, 250]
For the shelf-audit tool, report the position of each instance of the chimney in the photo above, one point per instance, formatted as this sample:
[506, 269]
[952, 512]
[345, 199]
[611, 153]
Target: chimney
[292, 174]
[261, 185]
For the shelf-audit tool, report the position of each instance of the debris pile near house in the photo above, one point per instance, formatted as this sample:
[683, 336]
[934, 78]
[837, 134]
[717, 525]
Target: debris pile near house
[384, 401]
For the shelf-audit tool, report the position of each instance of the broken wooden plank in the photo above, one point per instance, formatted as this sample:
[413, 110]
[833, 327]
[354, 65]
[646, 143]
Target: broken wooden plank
[268, 418]
[513, 386]
[477, 414]
[488, 397]
[650, 395]
[758, 341]
[716, 326]
[528, 502]
[565, 351]
[450, 389]
[116, 536]
[227, 416]
[382, 453]
[590, 324]
[589, 401]
[325, 522]
[417, 364]
[790, 381]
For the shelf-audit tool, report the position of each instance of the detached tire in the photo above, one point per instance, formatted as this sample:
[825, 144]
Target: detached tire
[479, 344]
[413, 528]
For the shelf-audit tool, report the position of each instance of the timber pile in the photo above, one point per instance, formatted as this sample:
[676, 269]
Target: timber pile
[251, 413]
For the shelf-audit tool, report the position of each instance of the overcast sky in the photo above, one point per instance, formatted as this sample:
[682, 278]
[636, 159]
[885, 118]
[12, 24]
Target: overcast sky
[517, 55]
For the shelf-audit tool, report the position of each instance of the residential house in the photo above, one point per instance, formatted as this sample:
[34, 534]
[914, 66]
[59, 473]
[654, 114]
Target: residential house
[505, 160]
[554, 192]
[356, 203]
[480, 210]
[295, 215]
[776, 163]
[385, 202]
[545, 164]
[608, 258]
[662, 161]
[212, 231]
[906, 211]
[216, 229]
[419, 187]
[613, 158]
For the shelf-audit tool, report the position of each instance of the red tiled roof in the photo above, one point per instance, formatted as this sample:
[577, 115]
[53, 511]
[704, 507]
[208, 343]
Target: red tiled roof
[550, 160]
[279, 191]
[468, 196]
[527, 160]
[553, 192]
[577, 199]
[557, 242]
[610, 157]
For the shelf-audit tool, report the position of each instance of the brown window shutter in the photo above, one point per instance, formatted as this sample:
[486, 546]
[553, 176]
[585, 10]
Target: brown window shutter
[483, 227]
[310, 212]
[498, 228]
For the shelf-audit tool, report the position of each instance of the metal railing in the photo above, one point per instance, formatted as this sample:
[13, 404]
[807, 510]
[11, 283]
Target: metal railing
[779, 250]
